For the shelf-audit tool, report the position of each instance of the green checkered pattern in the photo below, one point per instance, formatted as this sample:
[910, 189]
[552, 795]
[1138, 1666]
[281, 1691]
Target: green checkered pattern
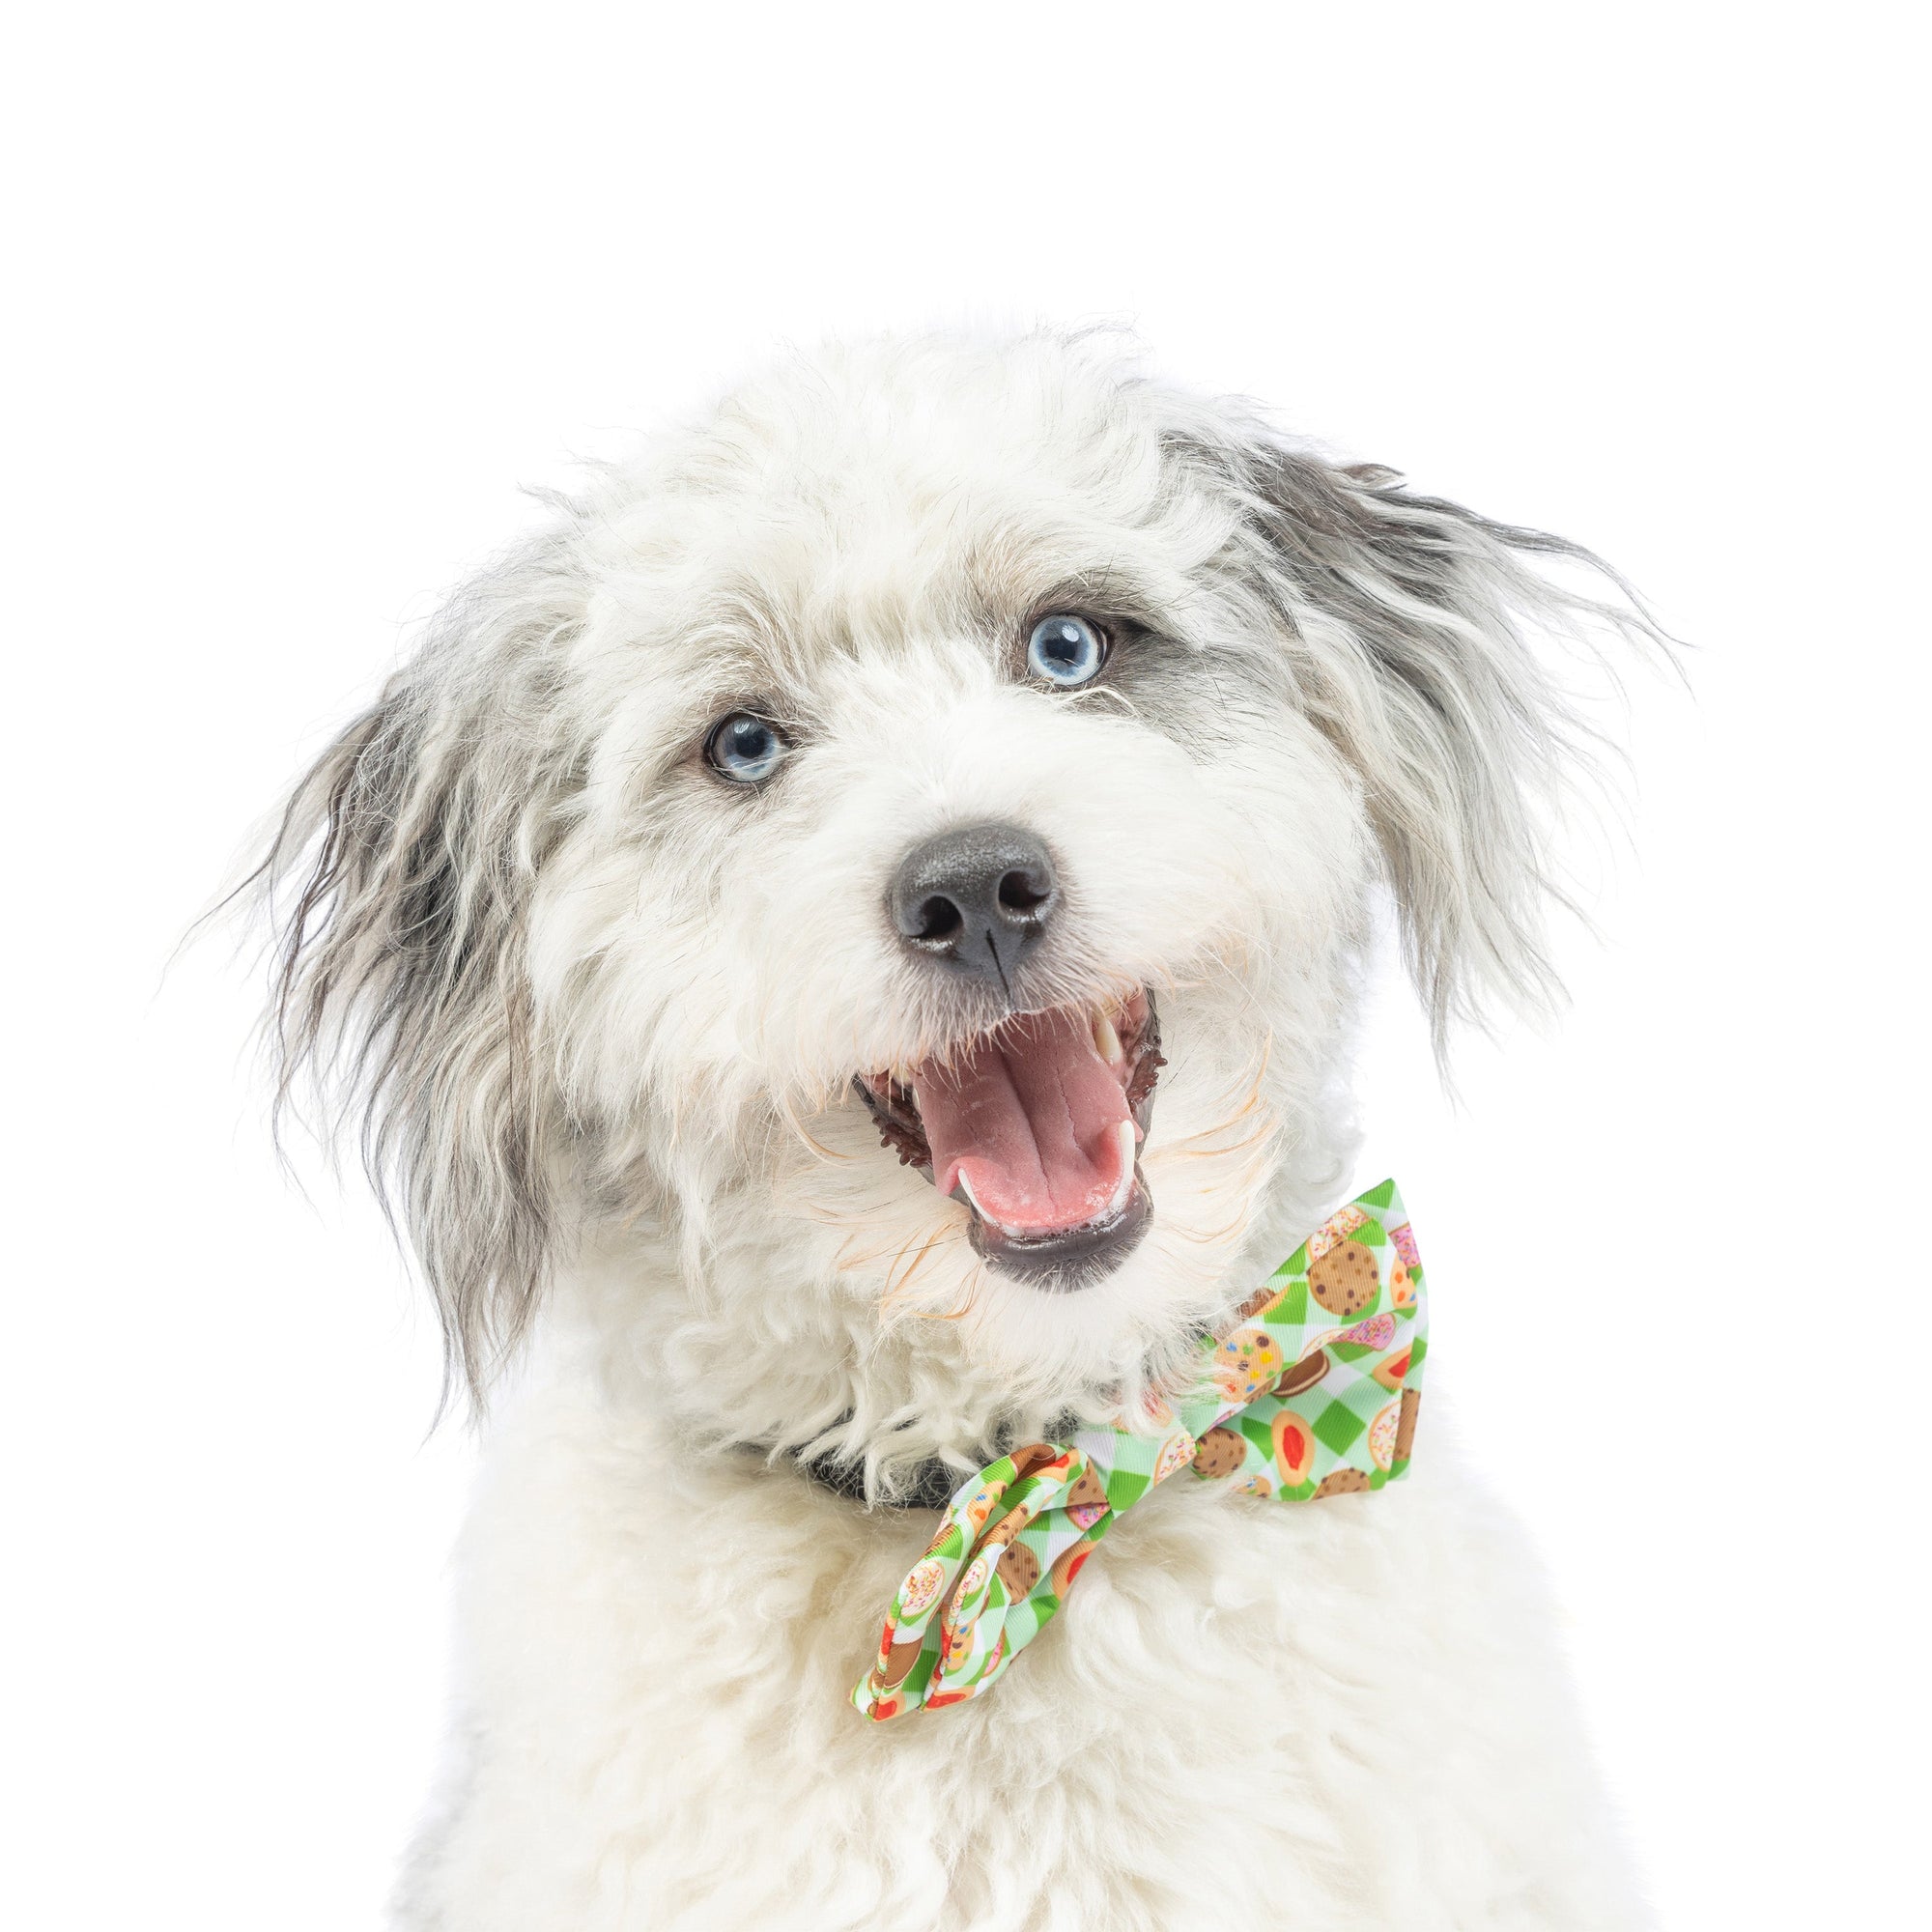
[1015, 1535]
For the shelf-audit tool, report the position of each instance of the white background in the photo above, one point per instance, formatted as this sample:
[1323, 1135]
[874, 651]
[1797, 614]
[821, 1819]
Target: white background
[298, 295]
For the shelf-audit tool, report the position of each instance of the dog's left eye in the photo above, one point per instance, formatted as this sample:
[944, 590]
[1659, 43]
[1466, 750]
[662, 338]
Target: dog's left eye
[744, 747]
[1066, 651]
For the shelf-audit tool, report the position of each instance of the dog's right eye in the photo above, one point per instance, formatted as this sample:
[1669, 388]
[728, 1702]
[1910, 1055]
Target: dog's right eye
[746, 749]
[1066, 651]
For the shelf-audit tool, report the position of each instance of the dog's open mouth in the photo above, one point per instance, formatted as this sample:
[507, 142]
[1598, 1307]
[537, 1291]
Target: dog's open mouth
[1035, 1126]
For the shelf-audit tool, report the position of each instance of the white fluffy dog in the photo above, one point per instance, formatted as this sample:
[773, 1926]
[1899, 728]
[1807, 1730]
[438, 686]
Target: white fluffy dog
[664, 929]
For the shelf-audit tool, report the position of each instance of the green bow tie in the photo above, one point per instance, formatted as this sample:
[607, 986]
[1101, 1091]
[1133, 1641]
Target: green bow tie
[1314, 1393]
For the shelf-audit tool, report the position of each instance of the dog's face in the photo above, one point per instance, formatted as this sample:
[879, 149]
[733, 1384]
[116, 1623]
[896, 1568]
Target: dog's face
[912, 838]
[941, 789]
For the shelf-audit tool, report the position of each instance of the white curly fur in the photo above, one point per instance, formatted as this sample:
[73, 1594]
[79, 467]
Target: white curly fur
[598, 1014]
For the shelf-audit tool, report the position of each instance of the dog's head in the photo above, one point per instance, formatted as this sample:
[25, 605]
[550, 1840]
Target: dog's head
[902, 849]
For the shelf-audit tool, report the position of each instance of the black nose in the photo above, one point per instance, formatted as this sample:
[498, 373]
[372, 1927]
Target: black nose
[976, 900]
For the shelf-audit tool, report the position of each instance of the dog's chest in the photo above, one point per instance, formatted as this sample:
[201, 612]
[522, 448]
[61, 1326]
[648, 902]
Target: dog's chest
[1235, 1692]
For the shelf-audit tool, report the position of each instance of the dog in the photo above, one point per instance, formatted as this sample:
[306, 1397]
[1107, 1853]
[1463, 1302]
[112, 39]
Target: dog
[842, 950]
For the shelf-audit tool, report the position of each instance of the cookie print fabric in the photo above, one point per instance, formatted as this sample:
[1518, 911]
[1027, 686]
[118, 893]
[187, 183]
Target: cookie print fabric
[1312, 1392]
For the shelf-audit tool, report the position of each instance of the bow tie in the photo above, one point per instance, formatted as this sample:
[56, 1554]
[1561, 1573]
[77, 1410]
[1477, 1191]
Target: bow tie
[1312, 1393]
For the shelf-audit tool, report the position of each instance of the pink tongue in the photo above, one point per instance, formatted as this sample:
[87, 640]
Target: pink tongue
[1031, 1121]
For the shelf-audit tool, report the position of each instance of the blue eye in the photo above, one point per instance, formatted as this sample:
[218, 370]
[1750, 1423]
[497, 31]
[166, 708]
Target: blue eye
[746, 749]
[1066, 651]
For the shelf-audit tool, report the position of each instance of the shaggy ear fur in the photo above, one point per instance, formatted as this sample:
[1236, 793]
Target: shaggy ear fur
[1411, 623]
[399, 884]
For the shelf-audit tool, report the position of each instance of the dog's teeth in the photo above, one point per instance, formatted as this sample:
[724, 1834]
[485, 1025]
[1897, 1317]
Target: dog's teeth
[1126, 1131]
[1106, 1041]
[992, 1221]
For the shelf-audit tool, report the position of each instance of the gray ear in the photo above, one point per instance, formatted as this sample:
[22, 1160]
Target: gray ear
[399, 886]
[1413, 626]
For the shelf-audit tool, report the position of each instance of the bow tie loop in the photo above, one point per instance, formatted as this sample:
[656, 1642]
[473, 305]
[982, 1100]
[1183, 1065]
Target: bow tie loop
[978, 1594]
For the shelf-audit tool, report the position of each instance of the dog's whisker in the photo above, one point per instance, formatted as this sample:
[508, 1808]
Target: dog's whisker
[816, 1147]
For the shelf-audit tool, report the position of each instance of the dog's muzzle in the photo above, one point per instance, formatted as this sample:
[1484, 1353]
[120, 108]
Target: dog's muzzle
[1035, 1126]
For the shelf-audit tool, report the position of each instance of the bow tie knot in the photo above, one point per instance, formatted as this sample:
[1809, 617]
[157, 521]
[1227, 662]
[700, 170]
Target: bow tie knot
[1312, 1392]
